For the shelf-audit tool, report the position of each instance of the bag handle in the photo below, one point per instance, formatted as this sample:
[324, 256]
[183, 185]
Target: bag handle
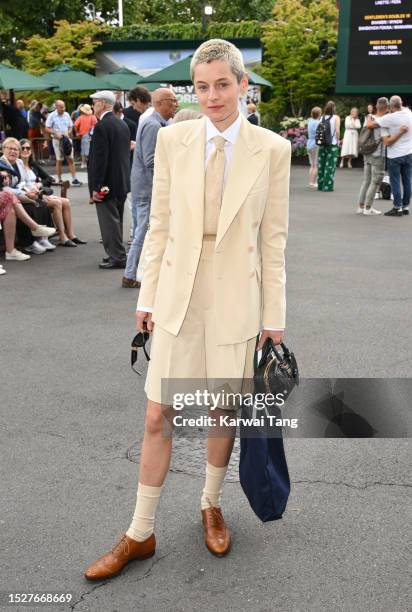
[269, 347]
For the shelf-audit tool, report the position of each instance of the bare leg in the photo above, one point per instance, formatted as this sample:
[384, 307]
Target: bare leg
[24, 217]
[72, 169]
[157, 444]
[59, 170]
[9, 229]
[220, 440]
[56, 208]
[67, 217]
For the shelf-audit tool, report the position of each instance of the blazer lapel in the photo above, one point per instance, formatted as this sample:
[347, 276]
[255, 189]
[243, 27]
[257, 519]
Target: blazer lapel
[246, 164]
[193, 164]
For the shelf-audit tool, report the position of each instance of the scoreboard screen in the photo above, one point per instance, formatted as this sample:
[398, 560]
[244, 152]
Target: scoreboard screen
[375, 46]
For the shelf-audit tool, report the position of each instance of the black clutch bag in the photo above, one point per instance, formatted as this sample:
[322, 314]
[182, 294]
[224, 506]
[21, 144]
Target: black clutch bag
[275, 372]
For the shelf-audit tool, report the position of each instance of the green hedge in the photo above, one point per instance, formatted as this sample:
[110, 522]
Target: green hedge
[179, 31]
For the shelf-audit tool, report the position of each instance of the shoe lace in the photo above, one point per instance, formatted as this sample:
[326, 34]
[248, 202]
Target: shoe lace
[121, 546]
[215, 514]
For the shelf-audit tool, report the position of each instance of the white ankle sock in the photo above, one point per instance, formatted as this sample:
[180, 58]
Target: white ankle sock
[212, 492]
[142, 524]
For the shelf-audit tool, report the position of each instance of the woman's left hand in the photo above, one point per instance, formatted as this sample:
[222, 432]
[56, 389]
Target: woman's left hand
[277, 337]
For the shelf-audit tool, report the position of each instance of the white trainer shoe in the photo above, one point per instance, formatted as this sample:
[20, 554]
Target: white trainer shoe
[46, 244]
[2, 270]
[36, 248]
[43, 231]
[372, 211]
[360, 211]
[16, 255]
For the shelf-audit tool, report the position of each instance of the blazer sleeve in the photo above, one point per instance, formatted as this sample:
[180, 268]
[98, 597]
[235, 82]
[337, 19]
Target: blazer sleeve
[158, 224]
[100, 157]
[273, 235]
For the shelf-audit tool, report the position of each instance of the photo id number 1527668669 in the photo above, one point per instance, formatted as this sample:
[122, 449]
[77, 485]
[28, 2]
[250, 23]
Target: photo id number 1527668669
[34, 598]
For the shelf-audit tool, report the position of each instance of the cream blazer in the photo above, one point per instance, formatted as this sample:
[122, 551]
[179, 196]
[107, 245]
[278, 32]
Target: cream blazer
[249, 262]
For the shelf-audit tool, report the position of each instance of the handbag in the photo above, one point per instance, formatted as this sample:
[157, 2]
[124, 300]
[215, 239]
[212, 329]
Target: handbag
[275, 372]
[66, 146]
[263, 469]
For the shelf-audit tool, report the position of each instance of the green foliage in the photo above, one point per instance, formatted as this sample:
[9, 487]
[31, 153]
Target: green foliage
[179, 31]
[72, 43]
[22, 19]
[163, 12]
[292, 61]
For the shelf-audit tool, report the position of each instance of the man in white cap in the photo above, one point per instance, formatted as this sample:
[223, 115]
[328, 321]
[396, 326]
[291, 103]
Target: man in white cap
[109, 176]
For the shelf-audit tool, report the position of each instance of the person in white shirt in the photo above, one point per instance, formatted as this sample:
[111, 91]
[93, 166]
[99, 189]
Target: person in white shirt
[213, 285]
[399, 152]
[59, 125]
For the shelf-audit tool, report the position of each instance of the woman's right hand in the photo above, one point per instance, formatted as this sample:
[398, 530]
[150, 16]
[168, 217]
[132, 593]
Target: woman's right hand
[144, 321]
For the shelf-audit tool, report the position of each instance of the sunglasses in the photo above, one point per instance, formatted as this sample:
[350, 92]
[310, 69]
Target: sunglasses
[139, 341]
[26, 148]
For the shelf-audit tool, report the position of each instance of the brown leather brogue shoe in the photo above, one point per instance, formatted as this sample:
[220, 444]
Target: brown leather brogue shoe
[130, 283]
[217, 534]
[122, 553]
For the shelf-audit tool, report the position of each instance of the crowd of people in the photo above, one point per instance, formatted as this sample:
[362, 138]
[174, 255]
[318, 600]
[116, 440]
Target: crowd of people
[384, 140]
[31, 212]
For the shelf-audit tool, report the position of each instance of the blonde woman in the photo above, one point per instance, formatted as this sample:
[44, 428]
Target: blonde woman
[215, 278]
[350, 138]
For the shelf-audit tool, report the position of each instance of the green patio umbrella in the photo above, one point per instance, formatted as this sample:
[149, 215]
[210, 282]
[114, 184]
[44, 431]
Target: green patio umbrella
[11, 78]
[66, 78]
[180, 73]
[256, 79]
[123, 79]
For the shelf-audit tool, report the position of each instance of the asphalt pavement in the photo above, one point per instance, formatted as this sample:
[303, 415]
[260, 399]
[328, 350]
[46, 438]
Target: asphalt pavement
[71, 409]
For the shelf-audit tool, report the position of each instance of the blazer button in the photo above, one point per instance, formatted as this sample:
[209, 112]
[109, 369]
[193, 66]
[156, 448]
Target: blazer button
[252, 274]
[251, 249]
[255, 224]
[168, 262]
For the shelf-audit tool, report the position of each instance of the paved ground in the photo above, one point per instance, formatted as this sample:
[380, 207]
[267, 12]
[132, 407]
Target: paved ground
[71, 408]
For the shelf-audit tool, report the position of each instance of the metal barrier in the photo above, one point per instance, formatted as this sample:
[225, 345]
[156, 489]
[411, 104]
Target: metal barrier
[43, 151]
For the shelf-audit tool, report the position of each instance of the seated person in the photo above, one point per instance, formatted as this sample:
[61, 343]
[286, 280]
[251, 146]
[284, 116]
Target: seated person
[32, 175]
[36, 209]
[11, 210]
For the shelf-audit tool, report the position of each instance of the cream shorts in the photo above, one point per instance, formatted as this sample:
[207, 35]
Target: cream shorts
[194, 355]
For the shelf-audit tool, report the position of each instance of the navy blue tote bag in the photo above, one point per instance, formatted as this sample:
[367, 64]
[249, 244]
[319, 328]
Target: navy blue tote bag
[263, 473]
[263, 470]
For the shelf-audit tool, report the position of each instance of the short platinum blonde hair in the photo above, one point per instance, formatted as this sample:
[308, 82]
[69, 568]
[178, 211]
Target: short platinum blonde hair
[219, 49]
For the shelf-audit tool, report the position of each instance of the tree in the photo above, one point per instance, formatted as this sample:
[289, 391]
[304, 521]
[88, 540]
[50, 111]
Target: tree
[72, 43]
[20, 20]
[292, 58]
[159, 12]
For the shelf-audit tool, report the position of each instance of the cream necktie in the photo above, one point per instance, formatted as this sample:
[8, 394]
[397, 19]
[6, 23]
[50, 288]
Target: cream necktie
[214, 187]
